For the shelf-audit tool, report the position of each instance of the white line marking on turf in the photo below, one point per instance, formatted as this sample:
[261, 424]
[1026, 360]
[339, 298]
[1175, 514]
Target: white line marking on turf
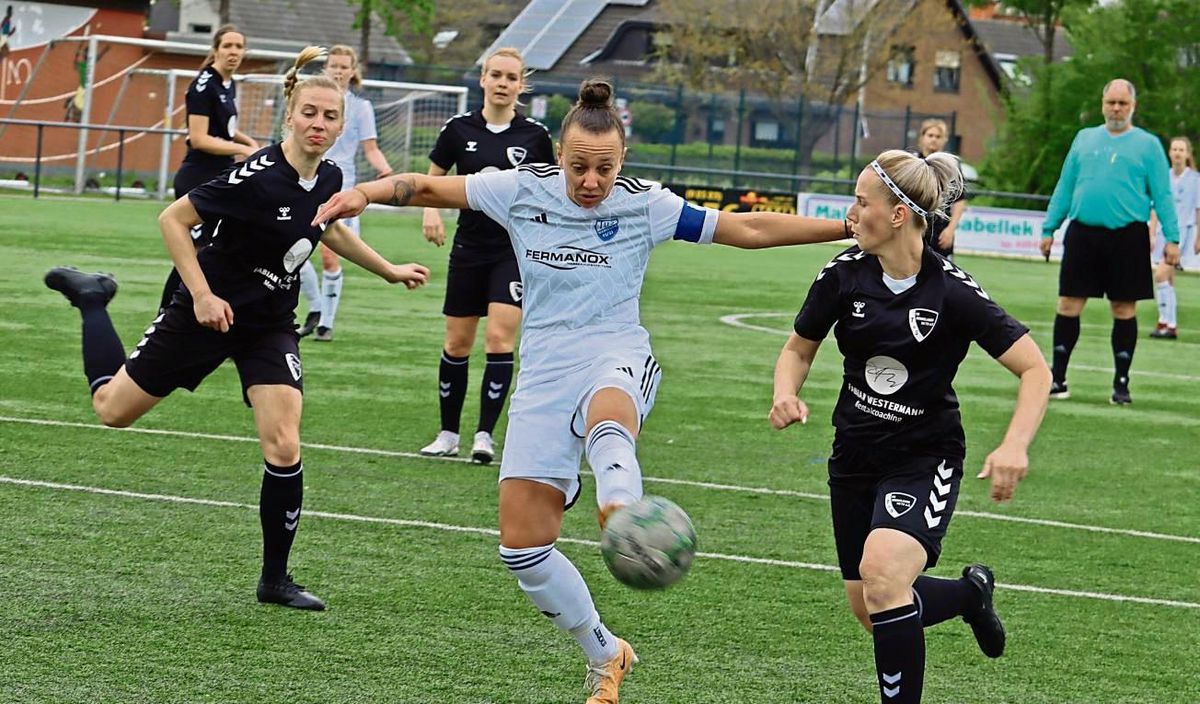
[736, 320]
[648, 480]
[408, 523]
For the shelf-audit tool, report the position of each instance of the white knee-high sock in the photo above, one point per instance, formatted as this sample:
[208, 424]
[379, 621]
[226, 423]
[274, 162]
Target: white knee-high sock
[612, 454]
[1165, 293]
[557, 589]
[332, 285]
[310, 286]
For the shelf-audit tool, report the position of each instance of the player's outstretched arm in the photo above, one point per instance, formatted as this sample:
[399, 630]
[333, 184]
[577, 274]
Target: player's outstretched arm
[1008, 463]
[176, 222]
[791, 370]
[345, 244]
[761, 230]
[399, 190]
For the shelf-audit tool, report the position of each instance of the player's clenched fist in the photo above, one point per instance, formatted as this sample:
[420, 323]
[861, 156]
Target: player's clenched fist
[787, 410]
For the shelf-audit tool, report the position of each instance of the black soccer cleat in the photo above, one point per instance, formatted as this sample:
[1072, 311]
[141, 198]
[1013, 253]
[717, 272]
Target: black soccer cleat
[310, 324]
[80, 287]
[1058, 389]
[287, 593]
[981, 616]
[1120, 396]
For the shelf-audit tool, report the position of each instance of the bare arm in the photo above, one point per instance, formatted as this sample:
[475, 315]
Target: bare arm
[1008, 464]
[431, 220]
[243, 138]
[946, 238]
[400, 190]
[761, 230]
[345, 244]
[376, 158]
[791, 371]
[176, 222]
[199, 138]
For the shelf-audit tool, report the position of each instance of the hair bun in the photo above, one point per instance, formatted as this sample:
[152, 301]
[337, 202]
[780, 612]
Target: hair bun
[595, 93]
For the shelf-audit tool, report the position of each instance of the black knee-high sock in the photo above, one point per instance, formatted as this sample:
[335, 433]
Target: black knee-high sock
[173, 281]
[1066, 334]
[497, 377]
[899, 654]
[452, 389]
[940, 599]
[279, 512]
[103, 353]
[1124, 340]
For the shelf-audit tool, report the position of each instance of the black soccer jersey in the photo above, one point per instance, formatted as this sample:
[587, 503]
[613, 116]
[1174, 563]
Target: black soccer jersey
[467, 145]
[902, 350]
[209, 96]
[262, 210]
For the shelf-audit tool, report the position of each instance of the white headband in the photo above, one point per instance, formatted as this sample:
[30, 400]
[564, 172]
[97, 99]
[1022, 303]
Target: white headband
[887, 180]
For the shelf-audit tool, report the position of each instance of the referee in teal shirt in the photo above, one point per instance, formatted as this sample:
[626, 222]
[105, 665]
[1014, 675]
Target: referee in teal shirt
[1114, 174]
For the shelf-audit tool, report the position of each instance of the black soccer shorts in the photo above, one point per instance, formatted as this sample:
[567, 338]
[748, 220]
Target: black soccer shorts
[178, 352]
[1100, 262]
[912, 494]
[471, 287]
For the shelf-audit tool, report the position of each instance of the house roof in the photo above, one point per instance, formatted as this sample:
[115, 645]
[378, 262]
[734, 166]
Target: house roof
[546, 29]
[1015, 38]
[288, 25]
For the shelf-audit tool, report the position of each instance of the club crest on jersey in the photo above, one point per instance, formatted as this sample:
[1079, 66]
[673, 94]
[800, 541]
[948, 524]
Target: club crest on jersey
[898, 503]
[472, 147]
[516, 289]
[516, 155]
[607, 229]
[921, 322]
[293, 363]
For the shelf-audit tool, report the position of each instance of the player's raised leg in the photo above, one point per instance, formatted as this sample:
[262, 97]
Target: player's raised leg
[611, 447]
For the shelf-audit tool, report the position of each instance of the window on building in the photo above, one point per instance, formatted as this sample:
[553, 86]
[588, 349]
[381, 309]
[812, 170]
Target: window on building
[901, 66]
[947, 69]
[195, 28]
[716, 130]
[766, 131]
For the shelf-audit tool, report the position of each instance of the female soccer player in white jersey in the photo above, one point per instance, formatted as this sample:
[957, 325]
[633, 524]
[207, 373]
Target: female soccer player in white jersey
[1185, 187]
[237, 302]
[212, 125]
[484, 279]
[582, 235]
[325, 298]
[905, 318]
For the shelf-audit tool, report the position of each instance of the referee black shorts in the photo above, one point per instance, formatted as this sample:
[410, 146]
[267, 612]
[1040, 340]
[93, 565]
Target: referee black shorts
[1099, 262]
[471, 287]
[178, 352]
[913, 494]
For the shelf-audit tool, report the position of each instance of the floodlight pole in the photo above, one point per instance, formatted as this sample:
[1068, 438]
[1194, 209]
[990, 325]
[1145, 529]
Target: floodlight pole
[85, 114]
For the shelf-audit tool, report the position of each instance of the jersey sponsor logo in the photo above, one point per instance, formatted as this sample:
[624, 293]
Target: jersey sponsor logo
[284, 213]
[607, 229]
[296, 255]
[897, 503]
[568, 258]
[293, 363]
[472, 147]
[885, 375]
[516, 290]
[516, 155]
[921, 321]
[858, 309]
[248, 169]
[231, 127]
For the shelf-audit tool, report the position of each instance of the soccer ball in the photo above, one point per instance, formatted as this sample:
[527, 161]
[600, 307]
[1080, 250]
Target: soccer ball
[649, 544]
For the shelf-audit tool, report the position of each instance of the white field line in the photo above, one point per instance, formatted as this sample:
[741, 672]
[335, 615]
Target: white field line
[406, 523]
[649, 480]
[736, 320]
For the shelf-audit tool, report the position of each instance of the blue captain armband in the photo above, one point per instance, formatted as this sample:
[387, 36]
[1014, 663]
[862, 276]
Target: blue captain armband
[695, 225]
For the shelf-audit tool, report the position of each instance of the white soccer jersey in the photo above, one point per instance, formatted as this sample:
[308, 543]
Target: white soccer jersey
[582, 268]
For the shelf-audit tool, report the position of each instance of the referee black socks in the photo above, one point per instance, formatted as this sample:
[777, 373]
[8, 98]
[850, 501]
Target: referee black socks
[497, 377]
[452, 389]
[899, 654]
[1124, 340]
[1066, 334]
[279, 513]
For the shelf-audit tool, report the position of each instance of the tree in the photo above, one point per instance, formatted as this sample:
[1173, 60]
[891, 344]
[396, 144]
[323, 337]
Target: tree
[652, 122]
[418, 13]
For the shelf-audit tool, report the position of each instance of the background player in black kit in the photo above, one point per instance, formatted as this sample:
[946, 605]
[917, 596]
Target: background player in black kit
[213, 137]
[238, 302]
[483, 279]
[905, 319]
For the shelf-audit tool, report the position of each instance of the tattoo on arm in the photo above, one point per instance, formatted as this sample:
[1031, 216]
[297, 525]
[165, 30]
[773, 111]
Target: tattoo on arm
[402, 191]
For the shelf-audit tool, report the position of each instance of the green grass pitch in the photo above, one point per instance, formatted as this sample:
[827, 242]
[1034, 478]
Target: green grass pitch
[136, 596]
